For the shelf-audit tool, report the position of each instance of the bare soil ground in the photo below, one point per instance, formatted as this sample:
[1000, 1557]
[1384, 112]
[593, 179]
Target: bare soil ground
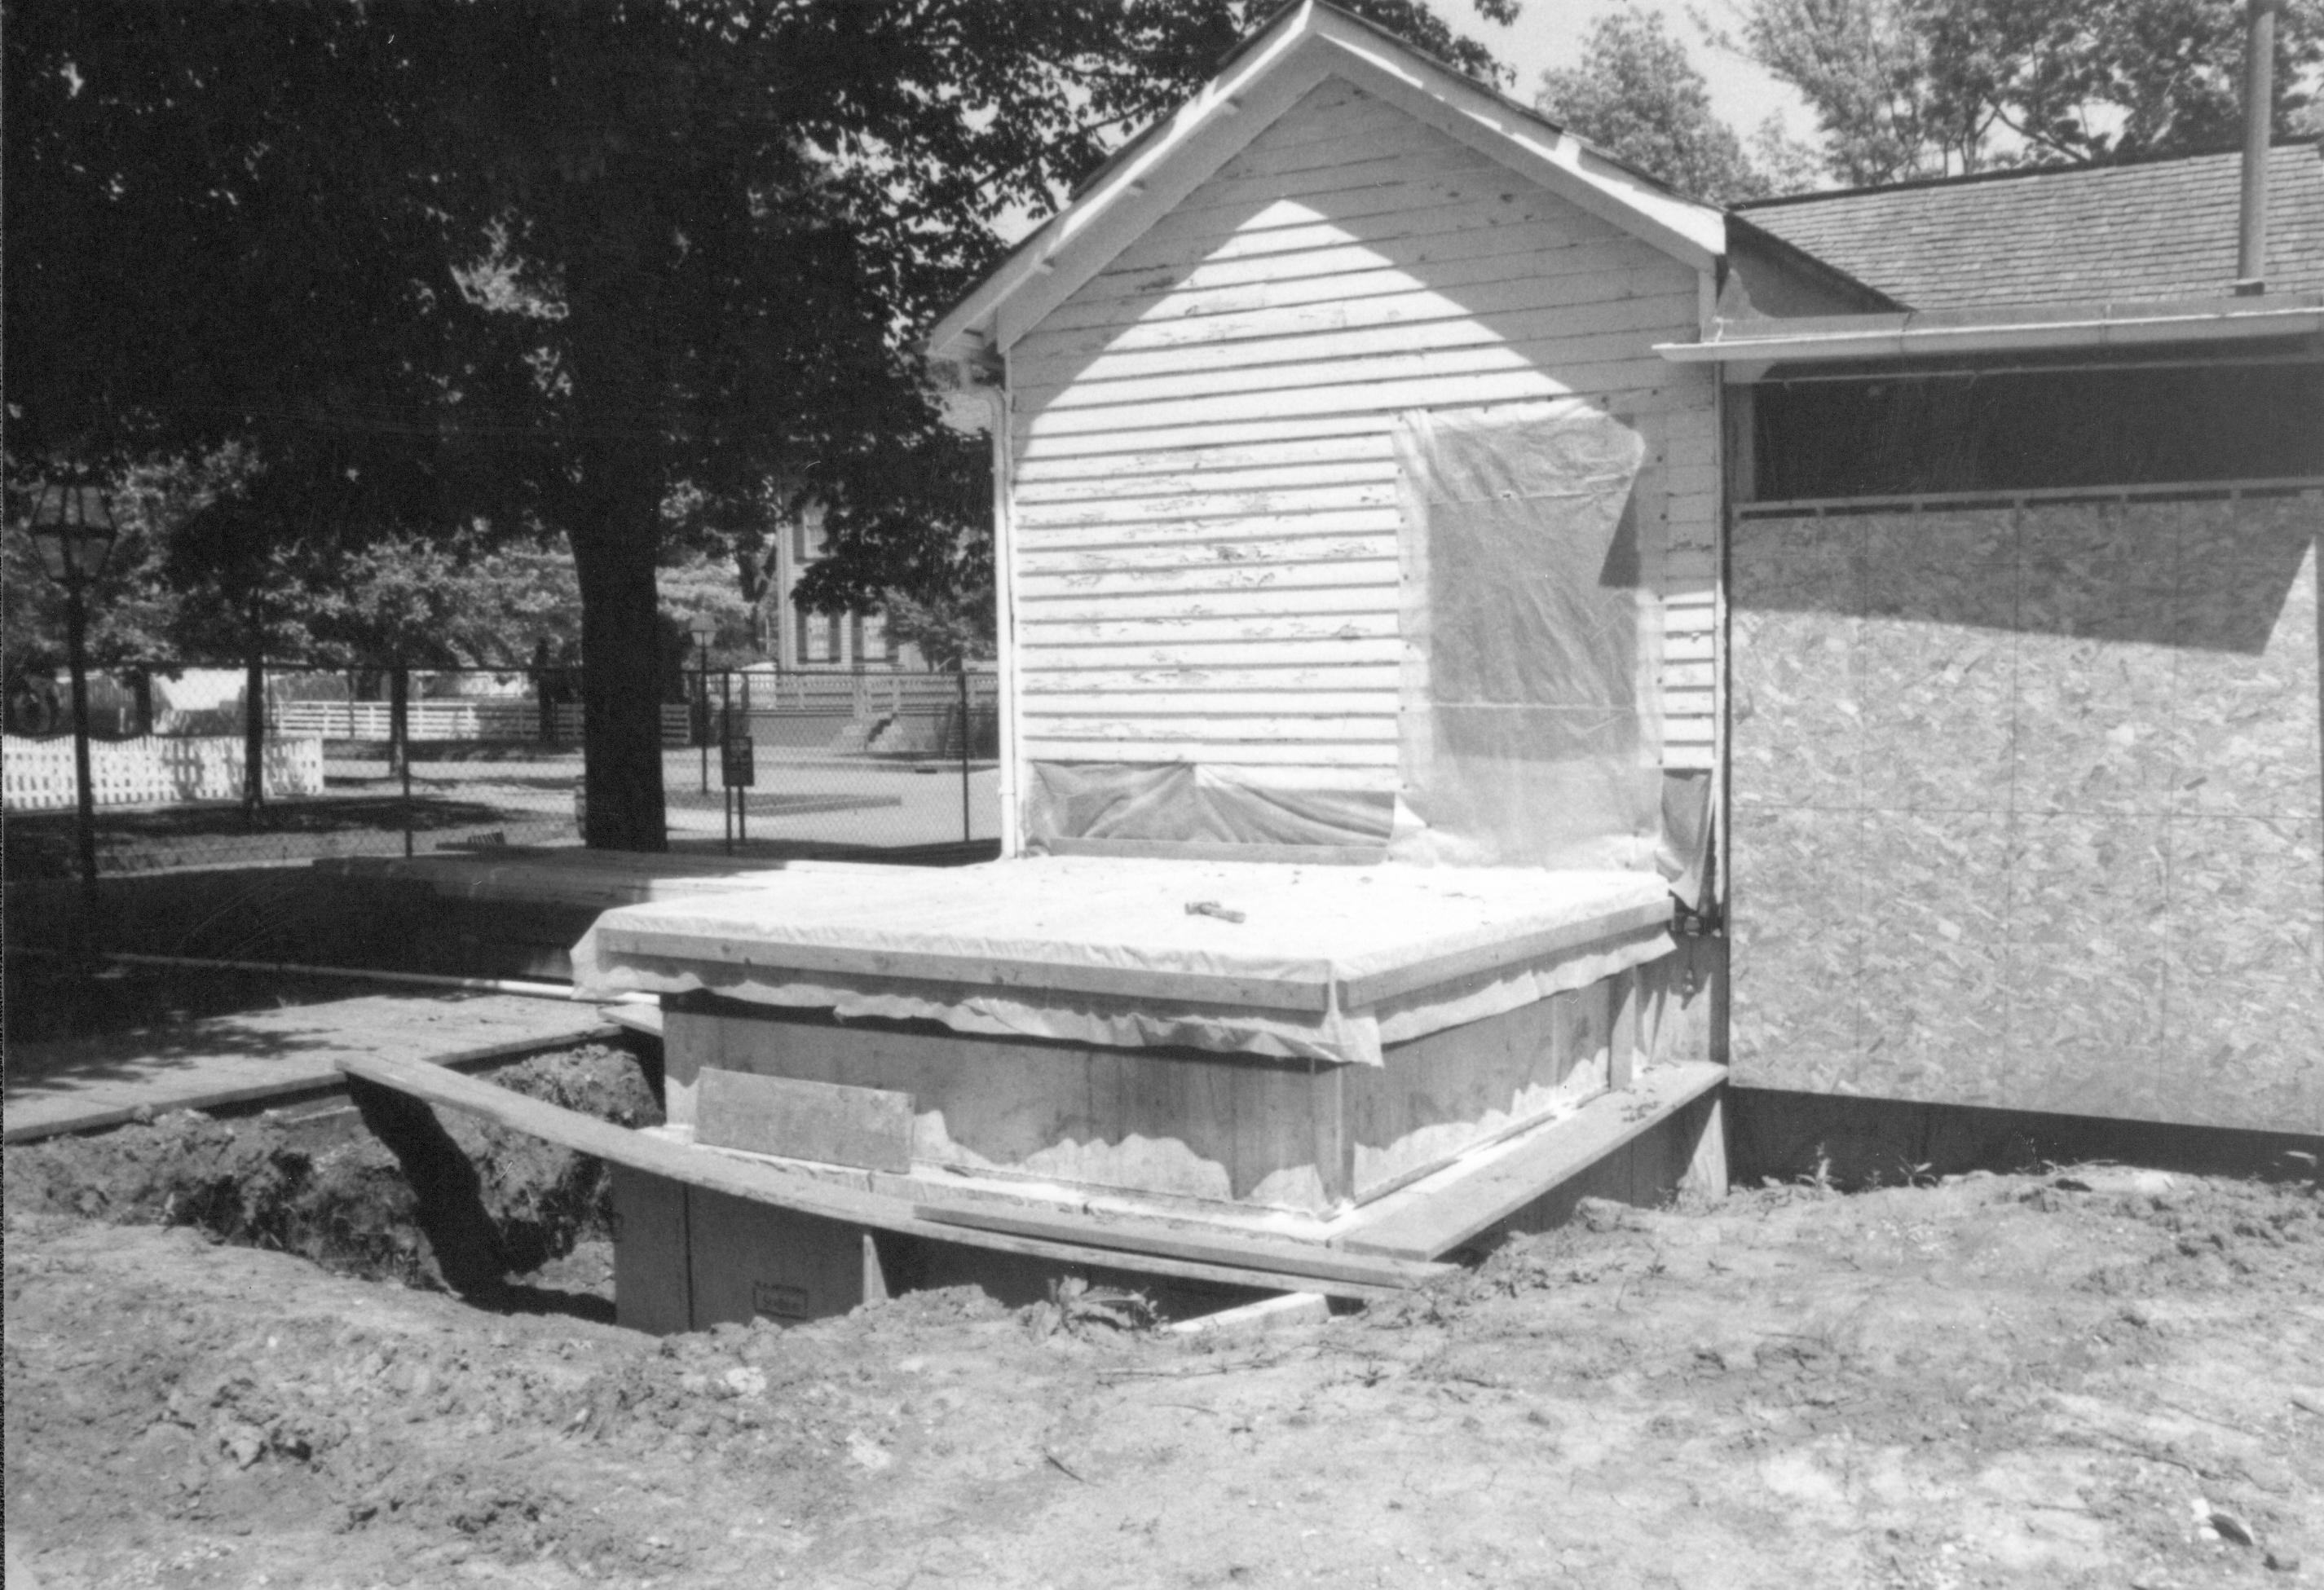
[2082, 1378]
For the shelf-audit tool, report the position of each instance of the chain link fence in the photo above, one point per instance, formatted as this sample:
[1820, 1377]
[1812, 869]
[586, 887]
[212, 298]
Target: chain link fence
[395, 762]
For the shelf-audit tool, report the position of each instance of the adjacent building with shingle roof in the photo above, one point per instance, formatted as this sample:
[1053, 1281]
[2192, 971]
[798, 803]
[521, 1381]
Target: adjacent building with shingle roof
[2145, 232]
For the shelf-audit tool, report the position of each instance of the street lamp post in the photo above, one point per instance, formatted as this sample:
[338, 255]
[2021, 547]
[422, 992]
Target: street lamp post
[72, 527]
[703, 629]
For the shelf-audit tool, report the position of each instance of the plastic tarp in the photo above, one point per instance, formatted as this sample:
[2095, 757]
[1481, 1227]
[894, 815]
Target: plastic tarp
[1107, 951]
[1531, 726]
[1182, 802]
[1530, 712]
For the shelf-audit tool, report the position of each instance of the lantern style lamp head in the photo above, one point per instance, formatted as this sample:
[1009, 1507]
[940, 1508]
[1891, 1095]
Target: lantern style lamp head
[73, 529]
[703, 630]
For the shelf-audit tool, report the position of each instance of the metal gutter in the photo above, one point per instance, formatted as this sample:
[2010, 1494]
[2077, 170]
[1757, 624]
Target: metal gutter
[1910, 334]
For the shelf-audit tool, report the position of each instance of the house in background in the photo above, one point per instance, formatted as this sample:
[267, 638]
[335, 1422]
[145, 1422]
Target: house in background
[822, 640]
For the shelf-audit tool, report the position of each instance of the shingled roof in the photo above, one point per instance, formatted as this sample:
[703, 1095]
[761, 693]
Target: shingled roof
[2163, 229]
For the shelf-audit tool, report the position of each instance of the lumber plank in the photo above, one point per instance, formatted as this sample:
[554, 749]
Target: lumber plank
[720, 1171]
[1357, 992]
[1131, 1235]
[692, 950]
[1436, 1214]
[830, 1122]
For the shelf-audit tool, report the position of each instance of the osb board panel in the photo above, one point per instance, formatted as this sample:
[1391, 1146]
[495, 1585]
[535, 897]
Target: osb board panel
[2026, 809]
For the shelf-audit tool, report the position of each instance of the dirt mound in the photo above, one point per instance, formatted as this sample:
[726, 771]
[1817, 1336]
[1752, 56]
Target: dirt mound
[2081, 1380]
[349, 1207]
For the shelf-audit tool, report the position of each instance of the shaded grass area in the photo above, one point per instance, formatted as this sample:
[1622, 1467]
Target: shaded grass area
[53, 997]
[40, 844]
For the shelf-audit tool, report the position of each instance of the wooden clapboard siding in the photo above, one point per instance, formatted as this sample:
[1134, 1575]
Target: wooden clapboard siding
[1189, 587]
[1168, 557]
[1318, 683]
[1434, 347]
[1160, 304]
[1107, 485]
[1205, 504]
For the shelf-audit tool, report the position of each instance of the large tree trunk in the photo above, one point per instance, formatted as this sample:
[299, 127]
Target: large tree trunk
[614, 534]
[253, 717]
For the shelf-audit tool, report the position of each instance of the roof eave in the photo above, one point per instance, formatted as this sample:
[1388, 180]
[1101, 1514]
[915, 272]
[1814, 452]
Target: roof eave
[1855, 338]
[1694, 232]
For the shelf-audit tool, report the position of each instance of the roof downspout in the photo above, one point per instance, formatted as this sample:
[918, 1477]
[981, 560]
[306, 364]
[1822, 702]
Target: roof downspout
[2259, 104]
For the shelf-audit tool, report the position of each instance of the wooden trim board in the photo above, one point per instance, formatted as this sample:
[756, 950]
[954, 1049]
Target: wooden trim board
[691, 951]
[1438, 1212]
[1129, 1234]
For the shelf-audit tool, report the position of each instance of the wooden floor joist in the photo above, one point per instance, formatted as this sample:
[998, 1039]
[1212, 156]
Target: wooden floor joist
[1225, 1258]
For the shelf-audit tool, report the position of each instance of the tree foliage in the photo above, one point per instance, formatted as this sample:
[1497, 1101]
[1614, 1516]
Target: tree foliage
[526, 267]
[1635, 93]
[1911, 89]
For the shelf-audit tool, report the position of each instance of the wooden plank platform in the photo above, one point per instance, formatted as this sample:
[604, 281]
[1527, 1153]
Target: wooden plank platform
[1223, 1258]
[85, 1084]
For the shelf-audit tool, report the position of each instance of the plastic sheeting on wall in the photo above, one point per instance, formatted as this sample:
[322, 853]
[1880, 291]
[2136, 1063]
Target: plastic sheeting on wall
[1531, 722]
[1182, 802]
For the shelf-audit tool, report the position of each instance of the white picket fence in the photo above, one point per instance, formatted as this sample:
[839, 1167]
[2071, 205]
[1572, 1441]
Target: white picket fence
[37, 775]
[487, 718]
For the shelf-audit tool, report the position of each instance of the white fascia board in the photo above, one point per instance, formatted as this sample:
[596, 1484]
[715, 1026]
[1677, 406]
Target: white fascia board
[1207, 131]
[1692, 233]
[1889, 336]
[1128, 197]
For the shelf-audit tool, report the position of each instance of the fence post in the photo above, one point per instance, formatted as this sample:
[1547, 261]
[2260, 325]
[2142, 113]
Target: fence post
[253, 724]
[965, 832]
[398, 739]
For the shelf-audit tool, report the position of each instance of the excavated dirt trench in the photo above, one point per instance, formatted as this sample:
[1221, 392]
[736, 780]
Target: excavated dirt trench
[505, 1220]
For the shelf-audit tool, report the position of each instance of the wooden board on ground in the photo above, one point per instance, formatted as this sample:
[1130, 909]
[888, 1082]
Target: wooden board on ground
[83, 1084]
[1438, 1212]
[758, 1182]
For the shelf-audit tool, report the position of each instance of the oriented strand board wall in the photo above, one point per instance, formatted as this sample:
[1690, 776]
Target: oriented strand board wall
[2027, 807]
[1205, 503]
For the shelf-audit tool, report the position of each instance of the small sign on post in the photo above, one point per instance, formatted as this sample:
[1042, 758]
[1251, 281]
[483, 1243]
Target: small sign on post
[734, 760]
[738, 773]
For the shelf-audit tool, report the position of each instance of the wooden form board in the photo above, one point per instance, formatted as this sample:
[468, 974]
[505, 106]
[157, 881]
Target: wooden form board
[1236, 1260]
[1174, 1124]
[691, 1258]
[86, 1084]
[820, 1121]
[1203, 510]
